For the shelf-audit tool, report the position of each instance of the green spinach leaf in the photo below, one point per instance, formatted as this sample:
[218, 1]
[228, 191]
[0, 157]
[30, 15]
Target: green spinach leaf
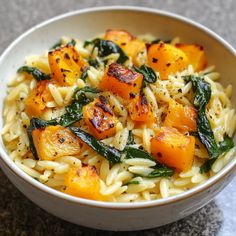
[36, 73]
[113, 155]
[132, 182]
[84, 74]
[130, 138]
[223, 146]
[73, 114]
[156, 41]
[60, 43]
[132, 152]
[148, 73]
[160, 171]
[85, 95]
[106, 47]
[94, 63]
[36, 123]
[202, 91]
[72, 43]
[56, 45]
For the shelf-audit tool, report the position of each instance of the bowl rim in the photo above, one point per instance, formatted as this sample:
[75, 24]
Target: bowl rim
[13, 168]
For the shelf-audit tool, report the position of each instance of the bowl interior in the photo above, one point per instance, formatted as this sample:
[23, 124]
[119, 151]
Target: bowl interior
[87, 24]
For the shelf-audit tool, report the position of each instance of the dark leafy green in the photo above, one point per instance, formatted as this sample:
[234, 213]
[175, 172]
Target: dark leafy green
[85, 95]
[132, 182]
[94, 63]
[111, 154]
[72, 43]
[226, 145]
[60, 43]
[159, 169]
[205, 134]
[106, 47]
[132, 152]
[202, 91]
[36, 73]
[130, 138]
[160, 40]
[86, 43]
[114, 155]
[84, 74]
[73, 114]
[148, 73]
[56, 45]
[36, 123]
[223, 146]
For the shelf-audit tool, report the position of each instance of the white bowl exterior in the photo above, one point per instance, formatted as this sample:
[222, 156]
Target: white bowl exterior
[113, 218]
[84, 25]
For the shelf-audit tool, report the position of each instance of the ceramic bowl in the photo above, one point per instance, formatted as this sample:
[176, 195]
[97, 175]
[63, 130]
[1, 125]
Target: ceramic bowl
[85, 24]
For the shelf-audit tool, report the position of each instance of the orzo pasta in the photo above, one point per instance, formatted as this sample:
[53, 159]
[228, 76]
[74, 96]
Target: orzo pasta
[119, 118]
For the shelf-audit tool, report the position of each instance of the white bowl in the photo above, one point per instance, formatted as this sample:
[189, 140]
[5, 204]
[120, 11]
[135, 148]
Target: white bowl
[85, 24]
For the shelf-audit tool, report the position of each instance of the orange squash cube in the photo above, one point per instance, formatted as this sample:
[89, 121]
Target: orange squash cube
[100, 118]
[167, 59]
[181, 117]
[140, 110]
[173, 149]
[121, 81]
[66, 65]
[119, 37]
[55, 141]
[196, 55]
[35, 103]
[134, 48]
[83, 182]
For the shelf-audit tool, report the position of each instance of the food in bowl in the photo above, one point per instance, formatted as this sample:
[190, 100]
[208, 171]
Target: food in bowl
[119, 118]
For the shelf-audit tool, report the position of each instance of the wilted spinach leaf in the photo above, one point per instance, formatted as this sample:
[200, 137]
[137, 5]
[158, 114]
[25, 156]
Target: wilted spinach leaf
[56, 45]
[130, 138]
[36, 123]
[36, 73]
[60, 43]
[73, 114]
[94, 63]
[113, 155]
[159, 169]
[155, 41]
[148, 73]
[106, 47]
[202, 91]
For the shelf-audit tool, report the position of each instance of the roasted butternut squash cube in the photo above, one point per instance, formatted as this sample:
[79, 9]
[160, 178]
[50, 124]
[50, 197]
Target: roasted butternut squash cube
[173, 149]
[134, 49]
[100, 118]
[181, 117]
[118, 36]
[66, 65]
[55, 141]
[196, 55]
[83, 182]
[35, 103]
[121, 81]
[140, 110]
[167, 59]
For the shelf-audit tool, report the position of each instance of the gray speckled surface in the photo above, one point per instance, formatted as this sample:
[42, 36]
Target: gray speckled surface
[19, 216]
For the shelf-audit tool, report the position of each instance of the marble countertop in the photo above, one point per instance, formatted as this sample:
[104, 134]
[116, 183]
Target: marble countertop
[19, 216]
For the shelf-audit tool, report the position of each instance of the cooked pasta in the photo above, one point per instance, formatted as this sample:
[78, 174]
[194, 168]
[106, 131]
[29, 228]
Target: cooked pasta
[119, 118]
